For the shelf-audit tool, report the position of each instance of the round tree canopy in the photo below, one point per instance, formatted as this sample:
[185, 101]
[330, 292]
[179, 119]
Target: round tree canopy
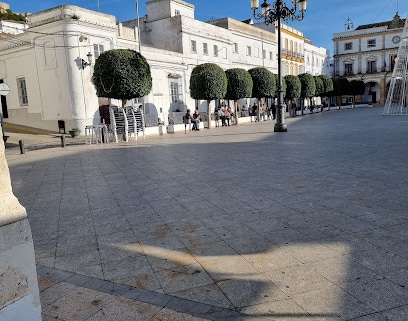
[208, 81]
[122, 74]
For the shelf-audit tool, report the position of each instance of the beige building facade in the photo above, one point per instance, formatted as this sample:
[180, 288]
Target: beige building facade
[368, 53]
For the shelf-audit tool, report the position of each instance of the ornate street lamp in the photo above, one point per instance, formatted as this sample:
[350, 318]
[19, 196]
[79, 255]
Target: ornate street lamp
[278, 12]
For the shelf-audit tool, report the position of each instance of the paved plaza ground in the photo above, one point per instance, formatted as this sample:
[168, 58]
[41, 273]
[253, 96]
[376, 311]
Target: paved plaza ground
[232, 223]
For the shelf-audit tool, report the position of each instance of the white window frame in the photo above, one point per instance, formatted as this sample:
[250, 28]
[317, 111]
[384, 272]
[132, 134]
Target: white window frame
[205, 48]
[215, 48]
[235, 47]
[98, 49]
[22, 91]
[193, 46]
[371, 43]
[174, 91]
[249, 51]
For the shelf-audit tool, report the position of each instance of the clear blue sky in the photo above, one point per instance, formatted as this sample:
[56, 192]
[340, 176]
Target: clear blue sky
[322, 19]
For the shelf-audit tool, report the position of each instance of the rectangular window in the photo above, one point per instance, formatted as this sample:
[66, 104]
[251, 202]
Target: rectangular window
[348, 69]
[224, 53]
[256, 52]
[215, 51]
[98, 49]
[193, 46]
[263, 54]
[371, 43]
[174, 92]
[270, 55]
[348, 46]
[235, 47]
[371, 66]
[249, 51]
[22, 91]
[205, 48]
[392, 61]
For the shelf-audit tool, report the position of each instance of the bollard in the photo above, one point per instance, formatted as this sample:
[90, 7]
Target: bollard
[22, 149]
[62, 141]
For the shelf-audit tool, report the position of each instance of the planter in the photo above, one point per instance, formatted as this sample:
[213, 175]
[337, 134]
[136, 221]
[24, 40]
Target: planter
[74, 133]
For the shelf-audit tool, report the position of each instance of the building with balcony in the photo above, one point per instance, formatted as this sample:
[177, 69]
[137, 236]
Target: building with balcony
[368, 53]
[44, 63]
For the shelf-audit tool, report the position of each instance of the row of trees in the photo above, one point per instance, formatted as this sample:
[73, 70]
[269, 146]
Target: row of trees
[209, 82]
[125, 74]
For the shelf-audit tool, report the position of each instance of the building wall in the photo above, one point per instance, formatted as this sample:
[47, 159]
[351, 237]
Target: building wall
[49, 58]
[367, 54]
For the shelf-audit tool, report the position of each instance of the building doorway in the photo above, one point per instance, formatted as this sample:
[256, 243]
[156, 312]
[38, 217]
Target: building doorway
[4, 109]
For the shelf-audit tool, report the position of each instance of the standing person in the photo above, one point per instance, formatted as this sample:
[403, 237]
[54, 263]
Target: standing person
[217, 116]
[222, 116]
[197, 118]
[190, 119]
[293, 109]
[228, 116]
[273, 110]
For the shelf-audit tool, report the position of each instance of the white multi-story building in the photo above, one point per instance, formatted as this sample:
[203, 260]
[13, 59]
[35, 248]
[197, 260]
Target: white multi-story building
[317, 59]
[49, 82]
[368, 53]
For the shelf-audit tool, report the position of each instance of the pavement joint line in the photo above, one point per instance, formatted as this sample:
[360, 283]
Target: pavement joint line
[193, 308]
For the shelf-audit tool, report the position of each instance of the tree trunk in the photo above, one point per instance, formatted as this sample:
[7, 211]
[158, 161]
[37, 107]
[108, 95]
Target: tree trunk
[208, 114]
[236, 112]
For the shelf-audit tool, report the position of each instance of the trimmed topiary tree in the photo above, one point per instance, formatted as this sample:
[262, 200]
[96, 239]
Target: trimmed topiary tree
[308, 89]
[264, 85]
[122, 74]
[340, 88]
[328, 87]
[293, 88]
[239, 86]
[356, 88]
[208, 82]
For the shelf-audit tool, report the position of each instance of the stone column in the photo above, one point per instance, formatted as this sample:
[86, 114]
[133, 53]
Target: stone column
[19, 294]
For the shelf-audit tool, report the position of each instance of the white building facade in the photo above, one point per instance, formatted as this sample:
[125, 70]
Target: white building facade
[50, 84]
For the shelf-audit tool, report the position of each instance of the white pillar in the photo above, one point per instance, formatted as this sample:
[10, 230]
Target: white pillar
[19, 294]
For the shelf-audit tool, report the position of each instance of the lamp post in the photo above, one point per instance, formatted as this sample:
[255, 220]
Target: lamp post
[278, 12]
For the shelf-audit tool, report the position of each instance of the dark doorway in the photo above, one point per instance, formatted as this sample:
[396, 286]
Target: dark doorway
[4, 104]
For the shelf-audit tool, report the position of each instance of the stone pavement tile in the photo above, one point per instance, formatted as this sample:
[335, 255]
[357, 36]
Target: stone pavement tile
[250, 291]
[372, 317]
[45, 283]
[208, 294]
[166, 259]
[399, 277]
[395, 314]
[142, 278]
[296, 279]
[87, 263]
[284, 310]
[311, 252]
[331, 303]
[124, 267]
[78, 305]
[379, 295]
[339, 270]
[221, 267]
[169, 315]
[55, 292]
[182, 278]
[119, 251]
[380, 261]
[274, 258]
